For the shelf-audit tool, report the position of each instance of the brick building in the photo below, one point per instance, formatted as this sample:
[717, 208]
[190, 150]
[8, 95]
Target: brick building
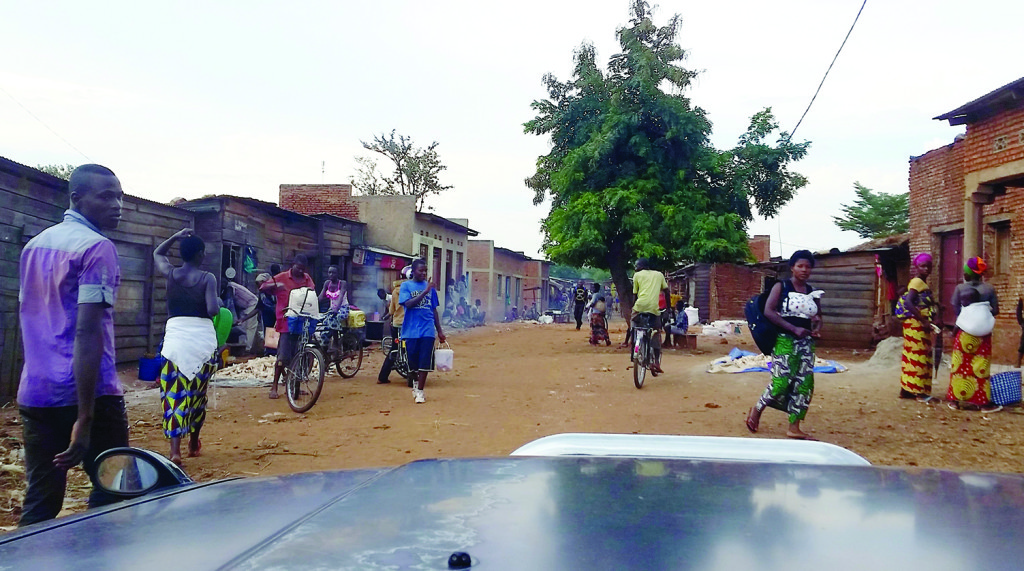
[501, 279]
[966, 199]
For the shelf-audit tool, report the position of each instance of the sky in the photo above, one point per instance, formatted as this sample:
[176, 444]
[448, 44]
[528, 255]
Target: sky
[187, 99]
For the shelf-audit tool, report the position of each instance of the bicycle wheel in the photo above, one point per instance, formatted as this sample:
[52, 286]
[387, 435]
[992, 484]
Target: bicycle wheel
[640, 361]
[305, 379]
[350, 357]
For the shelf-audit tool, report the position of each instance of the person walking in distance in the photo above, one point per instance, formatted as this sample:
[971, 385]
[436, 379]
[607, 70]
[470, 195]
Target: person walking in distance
[69, 396]
[580, 297]
[281, 286]
[421, 322]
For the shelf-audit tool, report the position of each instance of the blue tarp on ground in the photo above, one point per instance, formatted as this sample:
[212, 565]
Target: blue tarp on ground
[821, 366]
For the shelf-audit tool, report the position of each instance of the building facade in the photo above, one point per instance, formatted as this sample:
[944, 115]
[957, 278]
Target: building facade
[967, 199]
[394, 226]
[502, 279]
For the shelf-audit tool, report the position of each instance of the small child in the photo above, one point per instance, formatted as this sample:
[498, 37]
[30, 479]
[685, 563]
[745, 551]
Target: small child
[598, 323]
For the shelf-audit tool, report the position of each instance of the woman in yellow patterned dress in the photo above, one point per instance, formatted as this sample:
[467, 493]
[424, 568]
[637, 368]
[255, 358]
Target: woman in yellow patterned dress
[969, 378]
[917, 308]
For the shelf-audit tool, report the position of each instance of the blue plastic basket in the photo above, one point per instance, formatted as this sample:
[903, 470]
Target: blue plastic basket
[1006, 388]
[296, 324]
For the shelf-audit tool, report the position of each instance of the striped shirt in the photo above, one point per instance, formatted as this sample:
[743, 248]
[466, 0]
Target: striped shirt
[65, 265]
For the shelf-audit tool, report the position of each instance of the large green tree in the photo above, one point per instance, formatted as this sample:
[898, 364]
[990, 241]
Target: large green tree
[875, 214]
[631, 171]
[415, 170]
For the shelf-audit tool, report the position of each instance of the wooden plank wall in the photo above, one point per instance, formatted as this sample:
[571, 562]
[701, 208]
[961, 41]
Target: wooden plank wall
[34, 201]
[141, 309]
[276, 236]
[848, 306]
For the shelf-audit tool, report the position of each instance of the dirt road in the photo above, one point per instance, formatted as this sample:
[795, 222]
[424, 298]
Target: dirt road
[515, 383]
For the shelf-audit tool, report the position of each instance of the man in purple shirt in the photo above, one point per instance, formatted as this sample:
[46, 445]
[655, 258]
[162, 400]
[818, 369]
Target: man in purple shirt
[70, 399]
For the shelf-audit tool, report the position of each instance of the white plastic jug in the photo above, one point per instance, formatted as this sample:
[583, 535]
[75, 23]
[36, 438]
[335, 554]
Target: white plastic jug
[303, 301]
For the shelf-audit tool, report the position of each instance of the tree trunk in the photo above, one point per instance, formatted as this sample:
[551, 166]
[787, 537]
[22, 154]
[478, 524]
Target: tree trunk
[625, 290]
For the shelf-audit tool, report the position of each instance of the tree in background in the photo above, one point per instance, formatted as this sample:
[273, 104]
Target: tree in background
[631, 172]
[59, 171]
[415, 172]
[875, 214]
[570, 273]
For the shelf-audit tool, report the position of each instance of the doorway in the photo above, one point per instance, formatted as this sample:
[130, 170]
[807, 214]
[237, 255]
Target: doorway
[951, 273]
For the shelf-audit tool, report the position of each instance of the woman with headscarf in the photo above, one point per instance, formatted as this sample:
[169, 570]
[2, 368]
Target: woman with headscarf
[917, 309]
[972, 352]
[793, 306]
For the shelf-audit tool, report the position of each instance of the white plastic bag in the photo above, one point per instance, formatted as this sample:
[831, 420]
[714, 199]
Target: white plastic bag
[444, 359]
[302, 301]
[976, 319]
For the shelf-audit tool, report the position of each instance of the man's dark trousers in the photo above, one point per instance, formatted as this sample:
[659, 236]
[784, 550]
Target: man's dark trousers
[47, 432]
[578, 313]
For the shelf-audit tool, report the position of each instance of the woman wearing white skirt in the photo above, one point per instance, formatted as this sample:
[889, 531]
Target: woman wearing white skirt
[190, 341]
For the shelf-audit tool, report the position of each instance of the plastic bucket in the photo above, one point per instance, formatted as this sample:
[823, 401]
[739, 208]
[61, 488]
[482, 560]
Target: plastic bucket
[149, 369]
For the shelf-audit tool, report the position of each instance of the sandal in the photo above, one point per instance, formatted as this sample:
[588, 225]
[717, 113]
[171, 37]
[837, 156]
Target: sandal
[992, 408]
[801, 436]
[927, 399]
[751, 423]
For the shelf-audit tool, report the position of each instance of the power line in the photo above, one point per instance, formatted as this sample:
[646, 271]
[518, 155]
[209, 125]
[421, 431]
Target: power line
[828, 70]
[41, 122]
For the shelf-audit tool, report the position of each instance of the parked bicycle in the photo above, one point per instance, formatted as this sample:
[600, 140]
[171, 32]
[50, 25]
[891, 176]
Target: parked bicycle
[342, 347]
[319, 346]
[304, 375]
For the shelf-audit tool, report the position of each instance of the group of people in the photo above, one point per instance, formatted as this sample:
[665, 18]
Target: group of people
[976, 305]
[794, 307]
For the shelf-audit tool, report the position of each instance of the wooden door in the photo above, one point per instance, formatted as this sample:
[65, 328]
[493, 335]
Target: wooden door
[951, 273]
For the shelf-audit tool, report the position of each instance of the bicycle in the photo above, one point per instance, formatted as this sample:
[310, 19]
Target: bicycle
[342, 347]
[304, 375]
[643, 353]
[400, 360]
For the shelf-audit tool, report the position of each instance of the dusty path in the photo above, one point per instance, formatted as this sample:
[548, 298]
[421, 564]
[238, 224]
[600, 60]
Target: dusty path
[515, 383]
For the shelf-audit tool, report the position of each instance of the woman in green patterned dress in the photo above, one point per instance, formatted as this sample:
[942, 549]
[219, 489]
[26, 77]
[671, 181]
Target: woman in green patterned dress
[793, 306]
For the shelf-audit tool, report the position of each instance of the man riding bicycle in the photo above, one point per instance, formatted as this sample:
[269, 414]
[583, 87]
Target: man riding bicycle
[648, 286]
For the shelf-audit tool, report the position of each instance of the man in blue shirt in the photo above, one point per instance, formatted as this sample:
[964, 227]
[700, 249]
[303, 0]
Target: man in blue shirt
[421, 321]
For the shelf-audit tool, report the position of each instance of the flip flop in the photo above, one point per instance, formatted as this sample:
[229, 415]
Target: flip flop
[953, 405]
[751, 425]
[927, 400]
[995, 408]
[801, 437]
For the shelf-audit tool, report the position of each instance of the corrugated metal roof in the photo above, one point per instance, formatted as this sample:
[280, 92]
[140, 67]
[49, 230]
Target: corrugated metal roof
[1009, 96]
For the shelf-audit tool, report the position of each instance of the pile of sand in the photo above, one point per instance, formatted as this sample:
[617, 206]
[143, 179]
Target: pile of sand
[888, 354]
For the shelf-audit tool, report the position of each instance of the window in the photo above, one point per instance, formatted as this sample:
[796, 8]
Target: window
[1001, 264]
[424, 251]
[498, 291]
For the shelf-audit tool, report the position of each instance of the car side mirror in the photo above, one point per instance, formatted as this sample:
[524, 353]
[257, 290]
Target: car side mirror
[133, 472]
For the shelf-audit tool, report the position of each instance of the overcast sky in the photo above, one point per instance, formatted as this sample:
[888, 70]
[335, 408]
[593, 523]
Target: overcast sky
[191, 98]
